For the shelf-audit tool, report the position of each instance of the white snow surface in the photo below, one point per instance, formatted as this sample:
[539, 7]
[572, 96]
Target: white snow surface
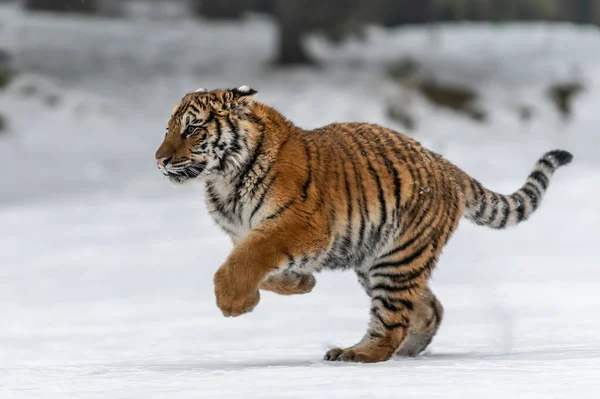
[106, 269]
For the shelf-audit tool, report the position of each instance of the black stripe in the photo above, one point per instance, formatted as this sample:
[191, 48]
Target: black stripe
[428, 205]
[380, 193]
[437, 317]
[179, 113]
[308, 181]
[194, 108]
[280, 210]
[362, 201]
[335, 244]
[241, 179]
[482, 201]
[210, 118]
[418, 219]
[347, 241]
[361, 274]
[387, 326]
[220, 207]
[495, 205]
[532, 197]
[447, 230]
[474, 192]
[389, 288]
[263, 196]
[419, 228]
[375, 334]
[382, 202]
[404, 261]
[388, 303]
[505, 212]
[222, 163]
[332, 213]
[401, 277]
[396, 250]
[219, 131]
[261, 178]
[396, 144]
[320, 200]
[403, 246]
[547, 163]
[406, 244]
[235, 135]
[437, 314]
[534, 188]
[266, 172]
[390, 166]
[541, 178]
[520, 208]
[418, 178]
[226, 230]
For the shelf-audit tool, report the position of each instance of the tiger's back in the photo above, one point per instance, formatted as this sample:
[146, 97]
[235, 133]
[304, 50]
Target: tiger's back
[345, 196]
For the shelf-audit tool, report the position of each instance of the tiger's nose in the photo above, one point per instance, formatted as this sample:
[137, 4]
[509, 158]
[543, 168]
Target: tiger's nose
[164, 160]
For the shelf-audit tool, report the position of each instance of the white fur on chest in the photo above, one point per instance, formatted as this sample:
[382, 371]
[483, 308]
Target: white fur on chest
[231, 210]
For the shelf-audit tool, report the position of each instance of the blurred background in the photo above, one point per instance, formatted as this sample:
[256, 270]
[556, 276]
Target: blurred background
[102, 259]
[101, 76]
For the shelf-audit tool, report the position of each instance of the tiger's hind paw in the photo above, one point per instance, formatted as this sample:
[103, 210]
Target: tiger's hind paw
[289, 284]
[357, 355]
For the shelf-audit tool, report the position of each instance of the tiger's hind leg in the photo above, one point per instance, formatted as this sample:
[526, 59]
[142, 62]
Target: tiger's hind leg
[395, 286]
[424, 324]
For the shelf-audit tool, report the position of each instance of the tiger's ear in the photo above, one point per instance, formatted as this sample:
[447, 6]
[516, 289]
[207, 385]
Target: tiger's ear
[244, 92]
[243, 97]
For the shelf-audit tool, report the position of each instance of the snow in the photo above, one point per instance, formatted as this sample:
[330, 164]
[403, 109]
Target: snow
[106, 278]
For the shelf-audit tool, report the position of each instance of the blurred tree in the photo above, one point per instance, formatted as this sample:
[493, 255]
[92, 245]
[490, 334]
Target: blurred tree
[6, 75]
[295, 19]
[499, 10]
[596, 11]
[80, 6]
[222, 9]
[407, 12]
[292, 27]
[583, 11]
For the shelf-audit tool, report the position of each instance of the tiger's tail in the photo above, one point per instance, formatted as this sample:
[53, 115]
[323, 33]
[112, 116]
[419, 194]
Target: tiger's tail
[498, 211]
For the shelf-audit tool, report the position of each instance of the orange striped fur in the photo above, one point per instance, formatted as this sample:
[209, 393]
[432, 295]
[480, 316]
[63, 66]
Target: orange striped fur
[344, 196]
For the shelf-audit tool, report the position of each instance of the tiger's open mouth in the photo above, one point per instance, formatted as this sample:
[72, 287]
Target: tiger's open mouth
[191, 172]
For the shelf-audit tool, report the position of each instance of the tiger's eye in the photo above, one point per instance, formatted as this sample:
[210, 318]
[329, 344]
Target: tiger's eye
[189, 131]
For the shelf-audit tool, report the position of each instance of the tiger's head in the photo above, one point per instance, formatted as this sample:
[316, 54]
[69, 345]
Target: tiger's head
[206, 134]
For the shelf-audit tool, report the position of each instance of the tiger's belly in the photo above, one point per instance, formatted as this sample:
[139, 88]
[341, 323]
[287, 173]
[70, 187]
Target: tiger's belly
[344, 255]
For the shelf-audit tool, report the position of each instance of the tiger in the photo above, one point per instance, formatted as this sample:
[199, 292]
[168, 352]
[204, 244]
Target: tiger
[345, 196]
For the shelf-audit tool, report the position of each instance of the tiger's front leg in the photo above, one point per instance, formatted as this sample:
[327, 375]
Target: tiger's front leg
[289, 283]
[247, 269]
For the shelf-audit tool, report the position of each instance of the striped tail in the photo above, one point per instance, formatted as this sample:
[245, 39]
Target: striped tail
[487, 208]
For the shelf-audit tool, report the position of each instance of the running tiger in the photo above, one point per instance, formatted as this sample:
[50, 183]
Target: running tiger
[344, 196]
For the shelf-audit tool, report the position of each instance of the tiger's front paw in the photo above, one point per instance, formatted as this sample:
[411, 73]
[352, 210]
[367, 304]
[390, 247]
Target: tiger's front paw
[233, 299]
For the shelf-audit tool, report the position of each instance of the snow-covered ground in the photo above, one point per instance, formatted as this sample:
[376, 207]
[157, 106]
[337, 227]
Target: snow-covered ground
[106, 270]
